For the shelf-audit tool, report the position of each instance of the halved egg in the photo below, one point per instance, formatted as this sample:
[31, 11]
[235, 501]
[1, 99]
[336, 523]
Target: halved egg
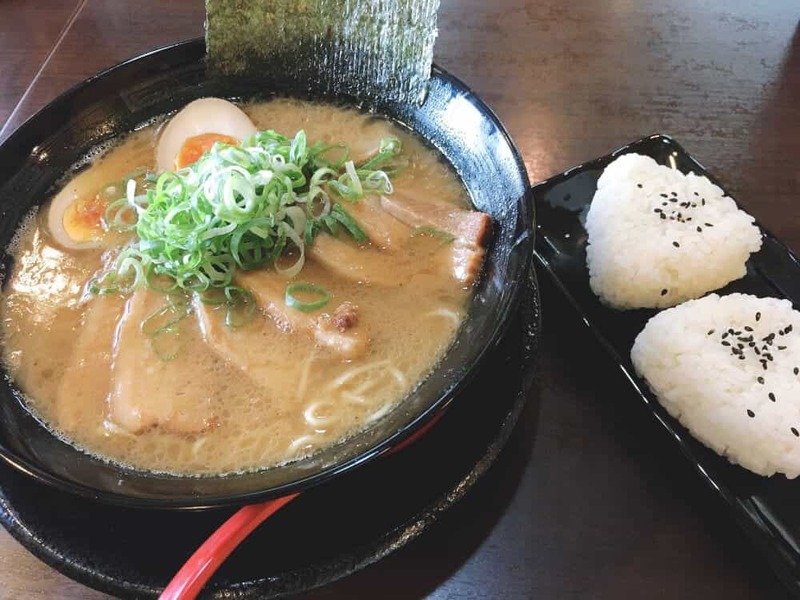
[196, 128]
[76, 213]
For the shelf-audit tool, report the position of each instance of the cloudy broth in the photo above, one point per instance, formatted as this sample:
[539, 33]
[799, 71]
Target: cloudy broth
[241, 398]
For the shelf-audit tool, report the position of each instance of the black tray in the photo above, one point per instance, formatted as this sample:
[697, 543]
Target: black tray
[327, 533]
[768, 509]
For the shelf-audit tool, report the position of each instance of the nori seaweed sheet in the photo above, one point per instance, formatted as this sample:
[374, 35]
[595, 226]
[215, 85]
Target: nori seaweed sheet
[373, 50]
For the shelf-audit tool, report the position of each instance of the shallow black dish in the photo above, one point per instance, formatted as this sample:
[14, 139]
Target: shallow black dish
[452, 119]
[766, 508]
[327, 533]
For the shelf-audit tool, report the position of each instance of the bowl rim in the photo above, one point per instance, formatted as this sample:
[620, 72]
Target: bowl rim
[18, 144]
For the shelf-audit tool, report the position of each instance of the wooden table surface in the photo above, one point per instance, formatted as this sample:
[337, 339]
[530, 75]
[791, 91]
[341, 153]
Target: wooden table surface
[587, 501]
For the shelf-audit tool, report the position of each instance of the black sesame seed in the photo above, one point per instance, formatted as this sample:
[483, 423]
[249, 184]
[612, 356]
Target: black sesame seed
[748, 328]
[664, 292]
[752, 344]
[696, 194]
[699, 230]
[758, 316]
[760, 380]
[756, 350]
[741, 357]
[663, 216]
[771, 396]
[639, 185]
[703, 202]
[675, 194]
[664, 195]
[750, 413]
[708, 224]
[726, 343]
[795, 432]
[710, 331]
[796, 371]
[676, 244]
[788, 329]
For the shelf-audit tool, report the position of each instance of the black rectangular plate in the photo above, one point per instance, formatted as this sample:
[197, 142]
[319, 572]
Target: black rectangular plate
[768, 509]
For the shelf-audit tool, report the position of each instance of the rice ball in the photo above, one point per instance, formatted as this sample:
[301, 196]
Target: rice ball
[658, 237]
[728, 368]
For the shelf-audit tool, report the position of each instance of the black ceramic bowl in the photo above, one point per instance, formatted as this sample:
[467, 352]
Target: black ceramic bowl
[452, 120]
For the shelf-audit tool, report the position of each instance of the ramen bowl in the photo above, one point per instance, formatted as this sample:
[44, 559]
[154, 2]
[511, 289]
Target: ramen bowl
[452, 120]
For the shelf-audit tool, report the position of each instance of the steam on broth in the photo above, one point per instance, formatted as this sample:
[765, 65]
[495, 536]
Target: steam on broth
[281, 362]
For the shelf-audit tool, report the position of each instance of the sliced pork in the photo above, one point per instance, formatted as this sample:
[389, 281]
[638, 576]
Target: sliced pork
[382, 229]
[84, 387]
[148, 391]
[470, 230]
[269, 288]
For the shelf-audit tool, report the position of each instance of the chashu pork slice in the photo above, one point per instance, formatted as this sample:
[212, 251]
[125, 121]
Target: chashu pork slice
[338, 331]
[470, 229]
[84, 387]
[382, 229]
[361, 264]
[243, 347]
[147, 391]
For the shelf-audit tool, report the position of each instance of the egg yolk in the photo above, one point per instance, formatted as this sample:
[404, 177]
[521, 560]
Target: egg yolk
[197, 145]
[83, 218]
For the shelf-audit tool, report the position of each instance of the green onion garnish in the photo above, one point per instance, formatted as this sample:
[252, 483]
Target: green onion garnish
[386, 159]
[340, 215]
[443, 236]
[163, 327]
[238, 207]
[241, 305]
[292, 301]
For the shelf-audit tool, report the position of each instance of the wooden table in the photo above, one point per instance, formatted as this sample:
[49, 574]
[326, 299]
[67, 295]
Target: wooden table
[587, 501]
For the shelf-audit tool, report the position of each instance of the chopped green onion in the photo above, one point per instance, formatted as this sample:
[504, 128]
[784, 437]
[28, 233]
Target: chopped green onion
[443, 236]
[241, 306]
[388, 148]
[104, 284]
[339, 213]
[292, 301]
[162, 327]
[165, 318]
[238, 207]
[348, 185]
[321, 155]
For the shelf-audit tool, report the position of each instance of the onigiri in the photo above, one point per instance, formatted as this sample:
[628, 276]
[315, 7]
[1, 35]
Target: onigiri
[728, 368]
[658, 237]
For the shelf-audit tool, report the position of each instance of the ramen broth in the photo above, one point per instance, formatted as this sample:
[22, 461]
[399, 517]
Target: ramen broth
[270, 391]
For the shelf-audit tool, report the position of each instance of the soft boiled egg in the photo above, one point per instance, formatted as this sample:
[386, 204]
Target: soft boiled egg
[196, 128]
[75, 218]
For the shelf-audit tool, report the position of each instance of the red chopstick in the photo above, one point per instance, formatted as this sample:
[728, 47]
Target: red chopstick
[196, 571]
